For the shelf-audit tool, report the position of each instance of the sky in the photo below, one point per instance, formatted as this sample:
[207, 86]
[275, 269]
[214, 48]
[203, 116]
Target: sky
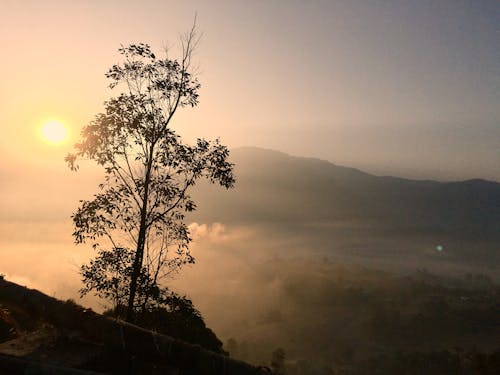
[407, 88]
[393, 87]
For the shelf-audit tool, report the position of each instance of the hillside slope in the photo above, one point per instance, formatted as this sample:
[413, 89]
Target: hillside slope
[43, 335]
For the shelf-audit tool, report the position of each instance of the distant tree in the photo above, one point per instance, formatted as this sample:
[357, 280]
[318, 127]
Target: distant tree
[136, 221]
[232, 347]
[278, 361]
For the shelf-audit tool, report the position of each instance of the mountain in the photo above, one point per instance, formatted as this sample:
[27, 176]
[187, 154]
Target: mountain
[334, 265]
[280, 192]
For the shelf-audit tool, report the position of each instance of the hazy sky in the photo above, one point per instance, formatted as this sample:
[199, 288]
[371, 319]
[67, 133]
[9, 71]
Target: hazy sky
[400, 87]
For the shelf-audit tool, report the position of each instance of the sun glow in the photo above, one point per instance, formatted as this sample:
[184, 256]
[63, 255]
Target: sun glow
[54, 132]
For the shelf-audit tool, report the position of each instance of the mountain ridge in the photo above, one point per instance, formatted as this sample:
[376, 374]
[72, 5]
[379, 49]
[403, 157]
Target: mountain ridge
[269, 151]
[278, 191]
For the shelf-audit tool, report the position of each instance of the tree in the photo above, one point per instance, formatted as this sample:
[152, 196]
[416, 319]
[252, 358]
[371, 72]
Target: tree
[137, 217]
[108, 276]
[232, 347]
[278, 361]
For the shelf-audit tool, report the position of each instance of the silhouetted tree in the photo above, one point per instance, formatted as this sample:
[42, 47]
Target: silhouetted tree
[108, 276]
[232, 347]
[138, 216]
[278, 361]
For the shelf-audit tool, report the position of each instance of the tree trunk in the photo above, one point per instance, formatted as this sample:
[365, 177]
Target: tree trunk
[139, 254]
[141, 241]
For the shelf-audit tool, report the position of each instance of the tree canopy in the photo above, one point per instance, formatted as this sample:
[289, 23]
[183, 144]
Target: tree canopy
[136, 220]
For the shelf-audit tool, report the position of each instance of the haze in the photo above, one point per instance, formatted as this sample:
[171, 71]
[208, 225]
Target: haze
[401, 88]
[394, 87]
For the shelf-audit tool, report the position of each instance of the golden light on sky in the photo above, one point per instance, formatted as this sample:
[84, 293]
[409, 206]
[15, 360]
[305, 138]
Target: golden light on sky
[369, 84]
[54, 132]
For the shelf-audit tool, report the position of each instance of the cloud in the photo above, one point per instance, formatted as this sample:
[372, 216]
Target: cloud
[217, 233]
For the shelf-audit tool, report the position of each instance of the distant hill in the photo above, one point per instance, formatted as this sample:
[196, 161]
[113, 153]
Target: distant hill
[331, 315]
[278, 190]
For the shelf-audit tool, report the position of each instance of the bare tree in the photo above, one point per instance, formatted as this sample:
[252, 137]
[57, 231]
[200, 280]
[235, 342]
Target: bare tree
[149, 171]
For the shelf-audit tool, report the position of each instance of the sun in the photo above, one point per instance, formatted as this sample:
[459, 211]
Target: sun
[54, 132]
